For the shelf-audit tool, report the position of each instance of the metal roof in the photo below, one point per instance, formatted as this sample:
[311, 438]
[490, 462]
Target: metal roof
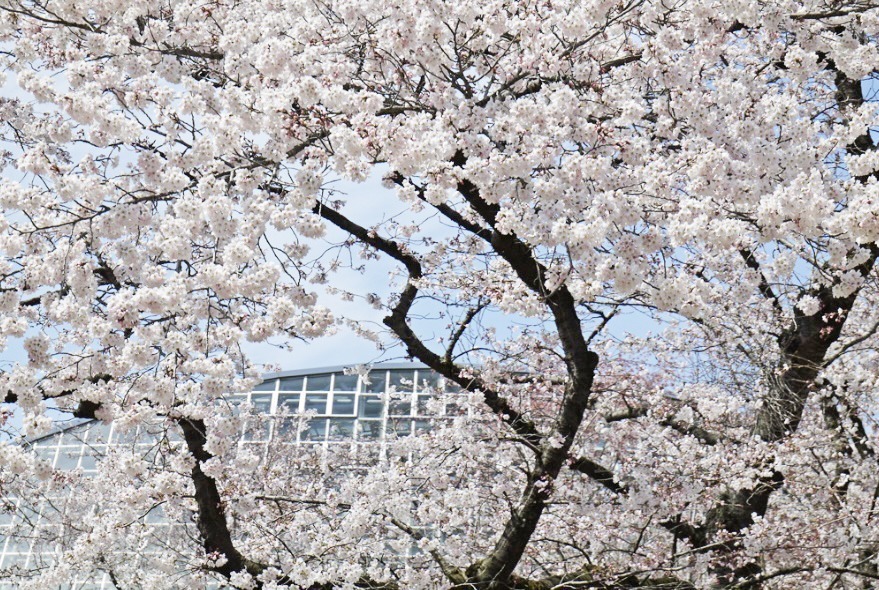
[389, 366]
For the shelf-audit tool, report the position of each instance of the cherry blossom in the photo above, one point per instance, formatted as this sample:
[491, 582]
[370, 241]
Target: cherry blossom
[639, 237]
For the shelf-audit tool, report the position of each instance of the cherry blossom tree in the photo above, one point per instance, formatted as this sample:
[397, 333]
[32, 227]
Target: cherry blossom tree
[556, 170]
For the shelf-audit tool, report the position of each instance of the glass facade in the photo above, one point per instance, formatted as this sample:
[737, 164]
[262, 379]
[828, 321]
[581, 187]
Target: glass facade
[326, 408]
[313, 409]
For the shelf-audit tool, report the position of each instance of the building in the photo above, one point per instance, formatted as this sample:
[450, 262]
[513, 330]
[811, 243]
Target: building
[311, 408]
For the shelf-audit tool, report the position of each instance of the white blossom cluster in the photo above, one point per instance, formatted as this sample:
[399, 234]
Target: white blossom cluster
[559, 172]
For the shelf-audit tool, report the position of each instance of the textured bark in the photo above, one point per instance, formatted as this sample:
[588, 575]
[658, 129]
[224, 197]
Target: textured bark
[212, 523]
[803, 345]
[496, 569]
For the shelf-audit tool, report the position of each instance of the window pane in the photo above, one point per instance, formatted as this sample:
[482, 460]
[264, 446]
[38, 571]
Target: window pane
[88, 463]
[12, 559]
[400, 427]
[288, 402]
[370, 406]
[67, 458]
[376, 382]
[422, 404]
[262, 402]
[155, 515]
[235, 402]
[292, 383]
[316, 431]
[266, 385]
[256, 430]
[400, 407]
[345, 382]
[428, 380]
[342, 429]
[402, 380]
[316, 402]
[7, 513]
[343, 404]
[98, 433]
[369, 429]
[285, 429]
[318, 382]
[18, 546]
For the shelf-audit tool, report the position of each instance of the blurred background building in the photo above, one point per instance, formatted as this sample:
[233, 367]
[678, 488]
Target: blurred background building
[308, 408]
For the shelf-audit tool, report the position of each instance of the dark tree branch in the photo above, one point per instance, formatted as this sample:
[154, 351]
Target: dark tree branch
[598, 473]
[581, 363]
[704, 435]
[212, 523]
[803, 347]
[397, 321]
[459, 332]
[495, 570]
[763, 287]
